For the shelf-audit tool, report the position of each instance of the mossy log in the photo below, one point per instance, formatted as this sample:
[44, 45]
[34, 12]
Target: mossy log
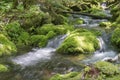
[88, 14]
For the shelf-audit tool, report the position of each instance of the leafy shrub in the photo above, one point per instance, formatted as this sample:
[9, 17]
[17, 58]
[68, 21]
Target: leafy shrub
[14, 30]
[69, 76]
[115, 39]
[39, 40]
[3, 68]
[6, 46]
[23, 38]
[51, 34]
[58, 29]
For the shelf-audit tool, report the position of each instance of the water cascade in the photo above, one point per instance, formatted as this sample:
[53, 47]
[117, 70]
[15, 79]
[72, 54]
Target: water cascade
[41, 54]
[104, 50]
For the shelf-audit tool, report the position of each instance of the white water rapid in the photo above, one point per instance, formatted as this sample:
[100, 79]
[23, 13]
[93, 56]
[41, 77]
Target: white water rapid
[37, 55]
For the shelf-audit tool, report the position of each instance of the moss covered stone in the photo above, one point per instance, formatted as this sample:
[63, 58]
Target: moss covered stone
[107, 68]
[79, 41]
[6, 46]
[3, 68]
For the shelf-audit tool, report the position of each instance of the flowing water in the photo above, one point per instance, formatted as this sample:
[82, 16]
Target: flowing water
[41, 54]
[106, 50]
[40, 64]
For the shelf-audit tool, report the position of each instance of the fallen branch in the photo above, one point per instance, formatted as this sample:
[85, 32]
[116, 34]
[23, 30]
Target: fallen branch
[87, 14]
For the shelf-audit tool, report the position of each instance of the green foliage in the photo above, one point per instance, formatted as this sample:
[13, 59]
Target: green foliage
[96, 32]
[6, 46]
[23, 39]
[5, 6]
[14, 30]
[118, 19]
[69, 76]
[51, 34]
[58, 29]
[115, 39]
[77, 21]
[105, 24]
[60, 19]
[38, 40]
[3, 68]
[79, 41]
[107, 68]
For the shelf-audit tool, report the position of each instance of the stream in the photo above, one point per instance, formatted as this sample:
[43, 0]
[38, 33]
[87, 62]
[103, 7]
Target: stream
[42, 63]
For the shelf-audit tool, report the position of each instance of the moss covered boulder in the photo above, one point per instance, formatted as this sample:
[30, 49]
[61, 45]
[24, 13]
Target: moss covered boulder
[107, 68]
[101, 70]
[6, 46]
[79, 41]
[115, 39]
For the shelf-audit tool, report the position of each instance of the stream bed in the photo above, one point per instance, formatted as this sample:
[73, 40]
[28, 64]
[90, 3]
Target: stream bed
[41, 64]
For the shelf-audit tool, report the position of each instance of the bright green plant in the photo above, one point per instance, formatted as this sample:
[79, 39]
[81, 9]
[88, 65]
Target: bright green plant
[107, 68]
[6, 46]
[39, 40]
[3, 68]
[115, 39]
[69, 76]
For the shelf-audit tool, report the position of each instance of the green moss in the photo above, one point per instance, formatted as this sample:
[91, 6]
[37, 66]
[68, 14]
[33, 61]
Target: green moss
[51, 34]
[60, 19]
[23, 39]
[105, 24]
[14, 30]
[95, 10]
[115, 39]
[79, 41]
[69, 76]
[117, 77]
[96, 32]
[77, 21]
[103, 71]
[3, 68]
[118, 19]
[38, 40]
[6, 46]
[107, 68]
[58, 29]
